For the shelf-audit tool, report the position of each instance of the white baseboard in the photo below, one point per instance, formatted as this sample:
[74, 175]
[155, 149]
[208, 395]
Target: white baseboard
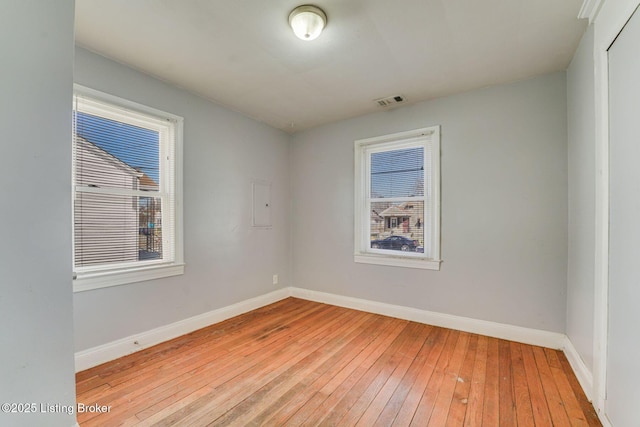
[91, 357]
[606, 422]
[482, 327]
[94, 356]
[584, 375]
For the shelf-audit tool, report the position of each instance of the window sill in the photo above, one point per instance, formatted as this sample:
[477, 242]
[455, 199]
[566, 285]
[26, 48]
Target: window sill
[87, 281]
[421, 263]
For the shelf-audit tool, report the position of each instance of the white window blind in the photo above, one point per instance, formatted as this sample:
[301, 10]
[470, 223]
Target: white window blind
[397, 199]
[124, 181]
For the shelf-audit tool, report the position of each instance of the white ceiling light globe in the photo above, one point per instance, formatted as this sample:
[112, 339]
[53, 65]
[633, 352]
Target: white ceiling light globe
[307, 22]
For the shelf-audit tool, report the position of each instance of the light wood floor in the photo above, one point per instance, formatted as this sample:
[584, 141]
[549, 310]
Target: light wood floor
[297, 363]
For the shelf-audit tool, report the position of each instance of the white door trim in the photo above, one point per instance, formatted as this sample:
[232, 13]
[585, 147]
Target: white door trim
[609, 21]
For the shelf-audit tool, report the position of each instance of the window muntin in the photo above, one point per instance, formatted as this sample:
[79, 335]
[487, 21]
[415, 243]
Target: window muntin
[125, 172]
[397, 199]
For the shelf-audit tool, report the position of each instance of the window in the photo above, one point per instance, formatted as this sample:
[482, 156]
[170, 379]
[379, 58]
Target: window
[126, 192]
[397, 199]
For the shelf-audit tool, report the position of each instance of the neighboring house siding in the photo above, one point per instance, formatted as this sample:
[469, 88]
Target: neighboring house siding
[105, 225]
[377, 225]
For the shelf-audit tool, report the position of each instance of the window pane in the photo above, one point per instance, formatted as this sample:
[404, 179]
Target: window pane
[397, 173]
[397, 226]
[113, 154]
[115, 229]
[149, 228]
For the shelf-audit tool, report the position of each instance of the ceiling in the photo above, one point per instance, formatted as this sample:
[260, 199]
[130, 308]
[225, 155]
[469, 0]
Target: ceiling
[243, 55]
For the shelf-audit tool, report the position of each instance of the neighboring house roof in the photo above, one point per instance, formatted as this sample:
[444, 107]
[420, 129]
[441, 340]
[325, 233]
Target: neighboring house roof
[375, 216]
[105, 155]
[147, 183]
[402, 209]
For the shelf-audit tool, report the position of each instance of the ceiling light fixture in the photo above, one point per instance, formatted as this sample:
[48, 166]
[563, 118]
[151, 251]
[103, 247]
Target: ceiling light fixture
[307, 22]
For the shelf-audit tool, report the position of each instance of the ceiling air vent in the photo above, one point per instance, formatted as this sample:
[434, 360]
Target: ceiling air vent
[390, 101]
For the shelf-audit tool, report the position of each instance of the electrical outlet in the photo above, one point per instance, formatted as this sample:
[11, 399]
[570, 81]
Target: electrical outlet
[275, 279]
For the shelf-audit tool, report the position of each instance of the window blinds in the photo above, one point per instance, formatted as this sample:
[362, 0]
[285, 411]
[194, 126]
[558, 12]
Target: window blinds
[397, 197]
[124, 197]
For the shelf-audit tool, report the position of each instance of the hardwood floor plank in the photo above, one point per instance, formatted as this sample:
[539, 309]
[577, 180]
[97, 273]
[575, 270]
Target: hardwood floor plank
[301, 393]
[324, 401]
[155, 361]
[569, 400]
[460, 399]
[433, 337]
[427, 400]
[552, 358]
[507, 390]
[229, 393]
[382, 399]
[372, 402]
[475, 405]
[272, 314]
[351, 404]
[539, 405]
[256, 402]
[221, 366]
[328, 407]
[557, 410]
[451, 378]
[412, 400]
[296, 363]
[524, 411]
[491, 406]
[91, 383]
[587, 407]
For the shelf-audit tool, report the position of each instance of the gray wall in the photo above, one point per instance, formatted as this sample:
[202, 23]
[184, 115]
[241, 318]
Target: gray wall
[582, 179]
[36, 325]
[227, 261]
[504, 207]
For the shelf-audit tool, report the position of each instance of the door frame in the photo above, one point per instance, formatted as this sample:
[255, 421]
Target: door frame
[609, 21]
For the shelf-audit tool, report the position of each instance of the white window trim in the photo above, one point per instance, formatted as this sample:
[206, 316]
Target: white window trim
[362, 252]
[89, 278]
